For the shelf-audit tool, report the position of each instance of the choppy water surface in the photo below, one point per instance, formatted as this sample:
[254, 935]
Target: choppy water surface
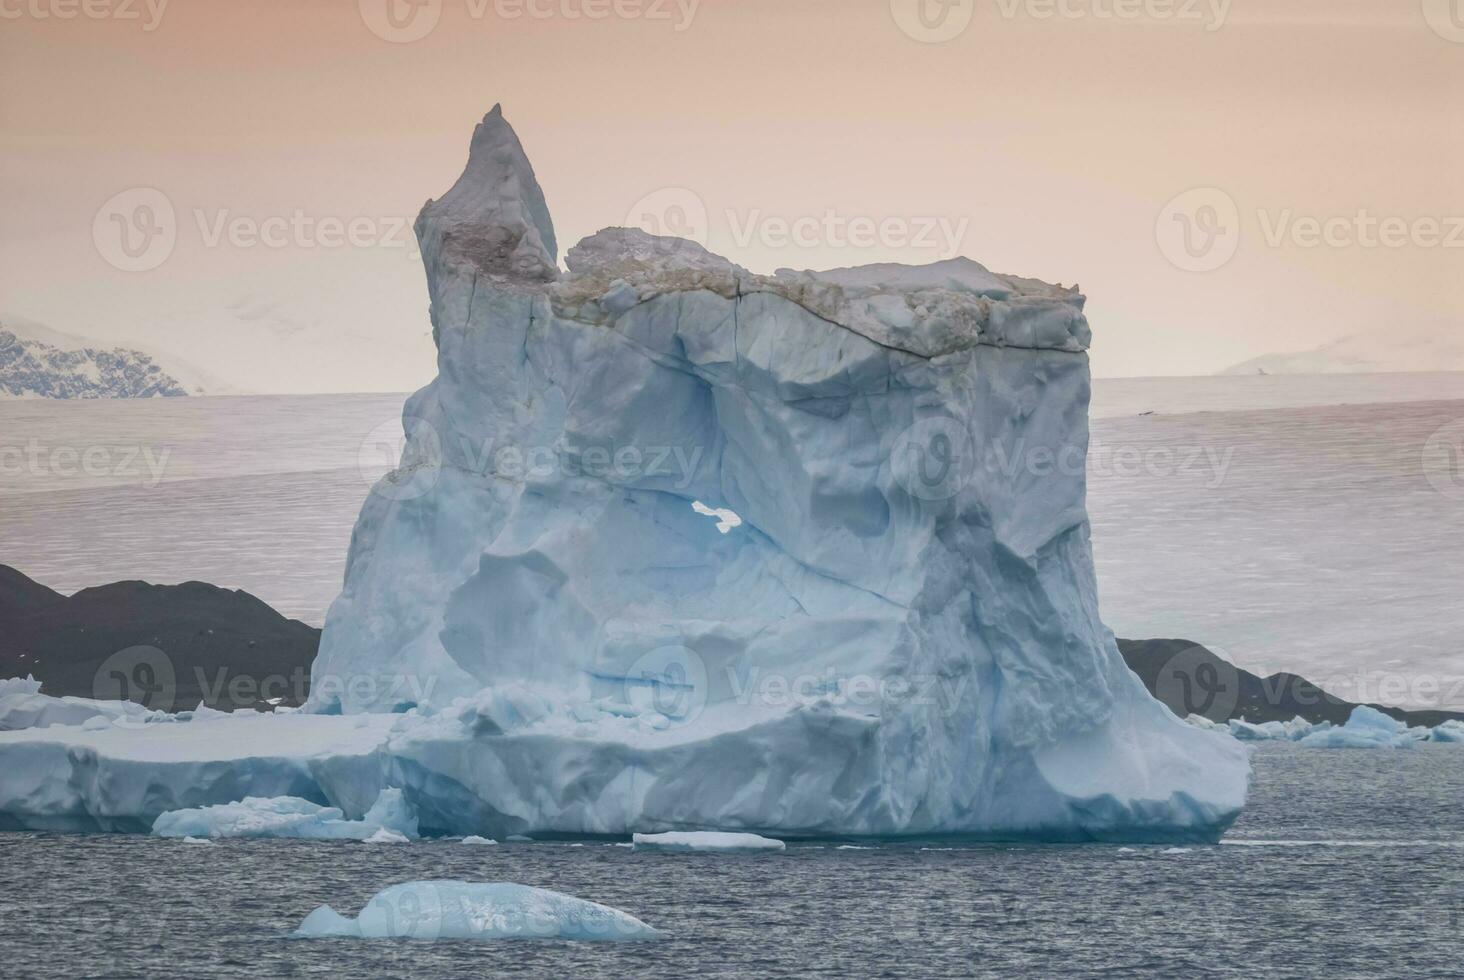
[1346, 864]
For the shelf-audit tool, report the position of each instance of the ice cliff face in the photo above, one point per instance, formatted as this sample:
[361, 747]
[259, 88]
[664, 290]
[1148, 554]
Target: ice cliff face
[33, 368]
[901, 638]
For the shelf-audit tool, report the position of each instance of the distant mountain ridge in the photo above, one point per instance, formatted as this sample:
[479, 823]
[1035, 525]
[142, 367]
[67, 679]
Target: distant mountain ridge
[1191, 680]
[36, 362]
[1364, 354]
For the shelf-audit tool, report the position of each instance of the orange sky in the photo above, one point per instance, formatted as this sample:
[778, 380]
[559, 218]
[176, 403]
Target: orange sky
[1054, 144]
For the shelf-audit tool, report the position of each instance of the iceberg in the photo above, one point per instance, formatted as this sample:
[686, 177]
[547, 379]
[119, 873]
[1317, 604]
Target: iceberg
[673, 841]
[1367, 728]
[1270, 731]
[1449, 731]
[430, 910]
[123, 777]
[901, 637]
[677, 547]
[390, 820]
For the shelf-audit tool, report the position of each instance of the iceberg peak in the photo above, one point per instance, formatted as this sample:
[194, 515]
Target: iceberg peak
[494, 221]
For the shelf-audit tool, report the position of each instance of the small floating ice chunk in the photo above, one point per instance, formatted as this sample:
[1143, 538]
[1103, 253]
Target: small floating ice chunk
[197, 840]
[427, 910]
[384, 836]
[705, 841]
[475, 839]
[1275, 731]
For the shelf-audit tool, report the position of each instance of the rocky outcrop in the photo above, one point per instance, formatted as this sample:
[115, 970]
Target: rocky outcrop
[1191, 680]
[169, 647]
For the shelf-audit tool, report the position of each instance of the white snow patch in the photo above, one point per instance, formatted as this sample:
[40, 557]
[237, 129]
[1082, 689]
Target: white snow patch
[726, 519]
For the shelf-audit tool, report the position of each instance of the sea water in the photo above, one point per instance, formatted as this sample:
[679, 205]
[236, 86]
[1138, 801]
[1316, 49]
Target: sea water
[1345, 864]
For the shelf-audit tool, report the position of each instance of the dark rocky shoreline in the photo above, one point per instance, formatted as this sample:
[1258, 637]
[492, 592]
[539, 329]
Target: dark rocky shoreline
[169, 647]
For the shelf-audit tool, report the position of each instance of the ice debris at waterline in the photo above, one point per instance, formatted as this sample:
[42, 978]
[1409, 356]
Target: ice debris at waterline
[540, 635]
[1366, 728]
[22, 705]
[705, 841]
[390, 819]
[426, 910]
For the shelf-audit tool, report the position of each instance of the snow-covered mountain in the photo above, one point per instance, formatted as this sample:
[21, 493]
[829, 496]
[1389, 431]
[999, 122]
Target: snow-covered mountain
[1374, 353]
[37, 362]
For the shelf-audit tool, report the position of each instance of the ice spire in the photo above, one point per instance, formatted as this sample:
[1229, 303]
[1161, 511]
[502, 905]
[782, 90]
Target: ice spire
[493, 221]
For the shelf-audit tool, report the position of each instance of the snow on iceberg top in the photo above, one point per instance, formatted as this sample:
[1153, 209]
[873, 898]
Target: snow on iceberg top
[494, 223]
